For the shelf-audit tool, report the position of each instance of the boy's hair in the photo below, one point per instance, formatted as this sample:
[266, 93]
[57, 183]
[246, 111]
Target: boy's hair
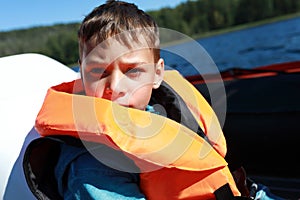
[112, 19]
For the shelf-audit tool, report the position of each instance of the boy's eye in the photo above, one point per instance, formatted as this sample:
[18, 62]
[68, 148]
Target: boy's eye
[134, 72]
[98, 72]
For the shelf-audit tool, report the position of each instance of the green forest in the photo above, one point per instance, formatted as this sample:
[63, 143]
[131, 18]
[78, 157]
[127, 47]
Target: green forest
[193, 18]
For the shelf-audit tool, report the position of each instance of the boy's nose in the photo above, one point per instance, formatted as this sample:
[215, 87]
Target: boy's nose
[115, 79]
[115, 84]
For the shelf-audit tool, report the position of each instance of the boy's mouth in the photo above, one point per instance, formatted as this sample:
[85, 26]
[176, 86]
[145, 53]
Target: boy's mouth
[128, 106]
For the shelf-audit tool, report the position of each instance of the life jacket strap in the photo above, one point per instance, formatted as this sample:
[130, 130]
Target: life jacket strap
[225, 193]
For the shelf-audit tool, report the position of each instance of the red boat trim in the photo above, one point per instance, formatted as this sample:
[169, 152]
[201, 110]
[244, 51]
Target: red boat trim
[239, 73]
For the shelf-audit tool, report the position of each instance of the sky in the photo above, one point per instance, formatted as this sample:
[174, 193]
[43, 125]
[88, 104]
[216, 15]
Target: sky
[21, 14]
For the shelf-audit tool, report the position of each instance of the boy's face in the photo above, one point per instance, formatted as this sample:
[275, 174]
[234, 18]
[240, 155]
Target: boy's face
[122, 75]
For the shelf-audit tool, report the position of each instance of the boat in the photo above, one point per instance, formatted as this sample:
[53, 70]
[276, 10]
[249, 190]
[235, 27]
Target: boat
[26, 78]
[262, 123]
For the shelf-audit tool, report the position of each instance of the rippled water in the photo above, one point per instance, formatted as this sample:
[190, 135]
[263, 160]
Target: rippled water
[262, 45]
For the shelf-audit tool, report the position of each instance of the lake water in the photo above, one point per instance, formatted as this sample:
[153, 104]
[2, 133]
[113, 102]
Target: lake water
[262, 45]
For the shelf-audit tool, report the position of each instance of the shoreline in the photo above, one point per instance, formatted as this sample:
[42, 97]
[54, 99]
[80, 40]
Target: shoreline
[232, 29]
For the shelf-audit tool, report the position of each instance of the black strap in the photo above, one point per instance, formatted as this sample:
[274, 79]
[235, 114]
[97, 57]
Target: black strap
[225, 193]
[41, 152]
[175, 108]
[39, 161]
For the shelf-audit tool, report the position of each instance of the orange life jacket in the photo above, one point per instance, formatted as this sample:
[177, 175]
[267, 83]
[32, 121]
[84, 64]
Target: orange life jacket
[188, 166]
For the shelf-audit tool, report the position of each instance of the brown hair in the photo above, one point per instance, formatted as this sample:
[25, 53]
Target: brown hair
[112, 19]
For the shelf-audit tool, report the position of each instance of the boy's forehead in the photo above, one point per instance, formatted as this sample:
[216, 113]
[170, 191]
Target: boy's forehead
[111, 49]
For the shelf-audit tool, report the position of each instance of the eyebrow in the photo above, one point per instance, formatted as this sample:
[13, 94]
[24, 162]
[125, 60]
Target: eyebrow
[132, 65]
[90, 65]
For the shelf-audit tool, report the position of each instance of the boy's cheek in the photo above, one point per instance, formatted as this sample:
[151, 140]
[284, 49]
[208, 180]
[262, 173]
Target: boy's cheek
[94, 89]
[89, 78]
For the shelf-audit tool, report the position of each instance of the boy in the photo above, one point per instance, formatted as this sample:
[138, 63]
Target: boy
[127, 129]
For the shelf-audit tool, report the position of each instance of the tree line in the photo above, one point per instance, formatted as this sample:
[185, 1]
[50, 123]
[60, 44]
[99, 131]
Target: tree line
[192, 18]
[195, 17]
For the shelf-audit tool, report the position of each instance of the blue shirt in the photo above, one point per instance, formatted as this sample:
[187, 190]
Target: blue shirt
[82, 176]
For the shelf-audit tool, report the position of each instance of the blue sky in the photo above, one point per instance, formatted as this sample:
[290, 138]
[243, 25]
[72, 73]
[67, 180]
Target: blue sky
[19, 14]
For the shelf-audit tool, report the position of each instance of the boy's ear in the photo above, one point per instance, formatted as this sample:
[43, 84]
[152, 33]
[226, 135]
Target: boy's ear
[159, 73]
